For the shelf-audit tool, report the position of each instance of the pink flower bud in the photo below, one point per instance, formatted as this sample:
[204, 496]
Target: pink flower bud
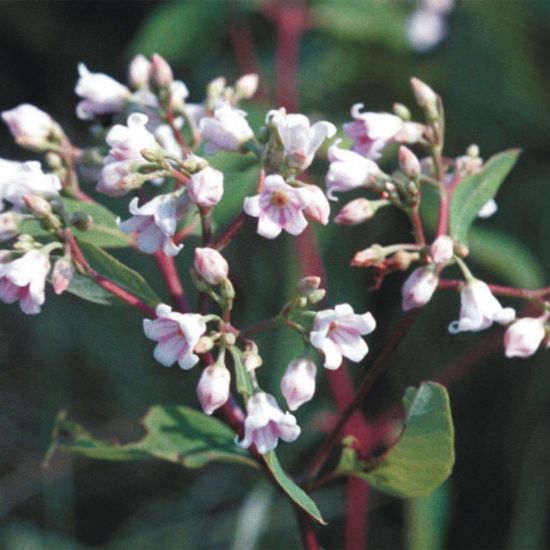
[10, 225]
[139, 71]
[307, 285]
[211, 265]
[30, 126]
[523, 338]
[298, 382]
[441, 250]
[62, 275]
[409, 163]
[213, 388]
[205, 188]
[319, 208]
[419, 288]
[369, 256]
[357, 211]
[247, 85]
[161, 72]
[425, 96]
[37, 206]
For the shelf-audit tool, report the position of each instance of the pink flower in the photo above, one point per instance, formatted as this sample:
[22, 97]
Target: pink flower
[213, 388]
[337, 333]
[211, 265]
[523, 338]
[161, 72]
[227, 130]
[31, 127]
[124, 159]
[205, 188]
[318, 209]
[279, 206]
[100, 94]
[155, 223]
[419, 288]
[356, 211]
[479, 309]
[300, 139]
[298, 382]
[139, 71]
[24, 279]
[348, 170]
[442, 249]
[265, 423]
[177, 335]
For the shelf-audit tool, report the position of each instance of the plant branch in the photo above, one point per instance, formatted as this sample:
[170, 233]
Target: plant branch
[171, 278]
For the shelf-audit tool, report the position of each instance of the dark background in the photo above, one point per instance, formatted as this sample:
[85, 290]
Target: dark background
[494, 76]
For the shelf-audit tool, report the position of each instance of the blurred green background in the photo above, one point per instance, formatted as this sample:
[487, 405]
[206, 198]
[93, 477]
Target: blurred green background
[494, 76]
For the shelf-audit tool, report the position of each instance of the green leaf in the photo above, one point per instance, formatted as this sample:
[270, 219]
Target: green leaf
[116, 271]
[173, 433]
[476, 189]
[297, 495]
[423, 457]
[242, 377]
[87, 289]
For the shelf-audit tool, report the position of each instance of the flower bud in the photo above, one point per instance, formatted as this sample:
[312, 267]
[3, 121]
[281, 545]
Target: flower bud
[318, 208]
[402, 260]
[37, 205]
[215, 89]
[211, 265]
[355, 212]
[213, 388]
[139, 71]
[402, 112]
[161, 72]
[251, 356]
[10, 225]
[370, 256]
[204, 345]
[419, 288]
[62, 275]
[82, 221]
[298, 382]
[409, 163]
[307, 285]
[247, 85]
[523, 338]
[473, 151]
[205, 188]
[441, 250]
[425, 96]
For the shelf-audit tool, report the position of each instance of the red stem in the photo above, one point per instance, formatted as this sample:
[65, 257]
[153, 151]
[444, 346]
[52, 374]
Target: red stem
[229, 232]
[357, 502]
[457, 284]
[307, 533]
[443, 220]
[170, 275]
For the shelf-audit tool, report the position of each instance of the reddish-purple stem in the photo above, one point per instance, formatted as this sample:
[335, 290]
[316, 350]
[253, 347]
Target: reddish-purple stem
[457, 284]
[170, 275]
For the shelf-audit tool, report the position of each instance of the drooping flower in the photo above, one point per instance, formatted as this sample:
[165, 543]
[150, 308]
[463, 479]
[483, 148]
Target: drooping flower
[31, 127]
[523, 337]
[100, 94]
[205, 187]
[419, 288]
[211, 265]
[337, 333]
[348, 170]
[24, 279]
[177, 335]
[155, 223]
[279, 206]
[442, 249]
[227, 130]
[213, 388]
[298, 382]
[265, 423]
[124, 159]
[479, 309]
[299, 138]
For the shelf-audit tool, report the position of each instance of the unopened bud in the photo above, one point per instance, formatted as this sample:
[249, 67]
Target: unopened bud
[356, 211]
[473, 151]
[10, 225]
[298, 382]
[213, 388]
[25, 243]
[155, 156]
[307, 285]
[251, 356]
[316, 296]
[215, 89]
[194, 163]
[211, 265]
[37, 206]
[402, 260]
[461, 250]
[228, 339]
[204, 345]
[247, 85]
[408, 162]
[227, 292]
[402, 112]
[62, 275]
[139, 71]
[441, 249]
[419, 288]
[425, 96]
[54, 161]
[370, 256]
[161, 72]
[82, 221]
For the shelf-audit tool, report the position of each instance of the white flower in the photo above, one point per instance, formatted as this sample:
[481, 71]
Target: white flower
[177, 335]
[337, 333]
[139, 71]
[118, 175]
[425, 29]
[247, 85]
[18, 179]
[419, 288]
[24, 279]
[205, 187]
[318, 208]
[30, 126]
[155, 223]
[101, 94]
[265, 423]
[213, 388]
[523, 338]
[227, 130]
[300, 139]
[348, 170]
[298, 382]
[442, 249]
[211, 265]
[479, 309]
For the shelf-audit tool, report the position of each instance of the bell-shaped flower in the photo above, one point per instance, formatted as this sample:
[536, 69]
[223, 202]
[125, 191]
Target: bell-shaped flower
[419, 288]
[24, 279]
[300, 140]
[298, 382]
[265, 423]
[211, 265]
[205, 187]
[318, 209]
[213, 388]
[18, 179]
[442, 249]
[337, 333]
[479, 309]
[523, 337]
[139, 71]
[279, 206]
[100, 94]
[348, 170]
[155, 223]
[124, 158]
[31, 127]
[227, 130]
[177, 335]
